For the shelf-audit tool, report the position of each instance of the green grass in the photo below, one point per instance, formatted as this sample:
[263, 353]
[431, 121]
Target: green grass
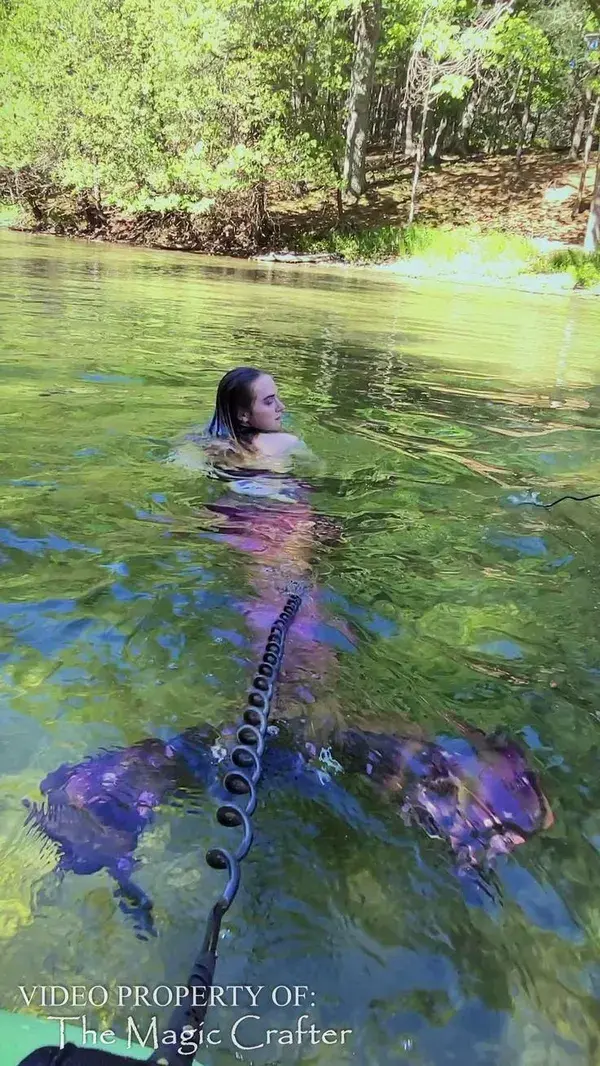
[584, 266]
[369, 245]
[432, 243]
[9, 214]
[461, 248]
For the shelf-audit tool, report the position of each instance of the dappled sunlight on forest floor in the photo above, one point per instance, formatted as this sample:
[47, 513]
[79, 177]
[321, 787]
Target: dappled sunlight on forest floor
[535, 200]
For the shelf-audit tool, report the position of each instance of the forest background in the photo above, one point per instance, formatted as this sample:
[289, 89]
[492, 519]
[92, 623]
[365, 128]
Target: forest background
[362, 129]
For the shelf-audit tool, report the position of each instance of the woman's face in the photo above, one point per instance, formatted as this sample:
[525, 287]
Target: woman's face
[267, 408]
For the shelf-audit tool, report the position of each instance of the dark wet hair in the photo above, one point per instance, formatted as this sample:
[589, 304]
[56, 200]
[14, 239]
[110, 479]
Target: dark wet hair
[234, 397]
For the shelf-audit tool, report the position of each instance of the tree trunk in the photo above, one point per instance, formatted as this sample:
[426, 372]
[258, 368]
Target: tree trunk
[587, 151]
[361, 86]
[466, 123]
[580, 126]
[391, 107]
[525, 121]
[591, 131]
[404, 117]
[398, 129]
[493, 138]
[376, 121]
[510, 108]
[420, 151]
[409, 144]
[592, 236]
[433, 154]
[397, 113]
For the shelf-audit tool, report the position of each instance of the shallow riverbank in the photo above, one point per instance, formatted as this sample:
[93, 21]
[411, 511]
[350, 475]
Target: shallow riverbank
[464, 268]
[467, 233]
[468, 273]
[460, 256]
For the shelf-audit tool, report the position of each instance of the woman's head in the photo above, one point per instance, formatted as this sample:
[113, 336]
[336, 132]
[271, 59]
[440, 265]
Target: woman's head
[247, 404]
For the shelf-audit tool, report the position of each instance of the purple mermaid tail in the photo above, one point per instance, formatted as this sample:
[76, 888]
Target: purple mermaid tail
[96, 810]
[475, 791]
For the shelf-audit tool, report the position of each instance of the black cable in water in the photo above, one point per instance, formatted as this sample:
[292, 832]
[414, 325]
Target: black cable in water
[547, 506]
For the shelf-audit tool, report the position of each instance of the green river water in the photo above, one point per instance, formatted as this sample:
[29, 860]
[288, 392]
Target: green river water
[434, 412]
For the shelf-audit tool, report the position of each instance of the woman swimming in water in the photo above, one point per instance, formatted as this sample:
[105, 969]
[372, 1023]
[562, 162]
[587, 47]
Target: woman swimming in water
[248, 414]
[246, 430]
[266, 513]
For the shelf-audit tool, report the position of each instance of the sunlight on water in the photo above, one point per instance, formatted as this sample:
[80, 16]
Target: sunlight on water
[136, 596]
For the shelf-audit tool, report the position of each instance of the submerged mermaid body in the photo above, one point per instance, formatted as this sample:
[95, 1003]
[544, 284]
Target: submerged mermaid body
[476, 792]
[266, 513]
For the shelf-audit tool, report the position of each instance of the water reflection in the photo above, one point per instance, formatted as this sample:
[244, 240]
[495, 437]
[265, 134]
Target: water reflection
[133, 607]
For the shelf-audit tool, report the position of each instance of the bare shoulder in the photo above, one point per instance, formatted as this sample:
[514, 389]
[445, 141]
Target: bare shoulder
[278, 444]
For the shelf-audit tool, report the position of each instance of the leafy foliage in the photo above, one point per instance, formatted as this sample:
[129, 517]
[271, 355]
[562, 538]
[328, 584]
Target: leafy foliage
[177, 109]
[584, 266]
